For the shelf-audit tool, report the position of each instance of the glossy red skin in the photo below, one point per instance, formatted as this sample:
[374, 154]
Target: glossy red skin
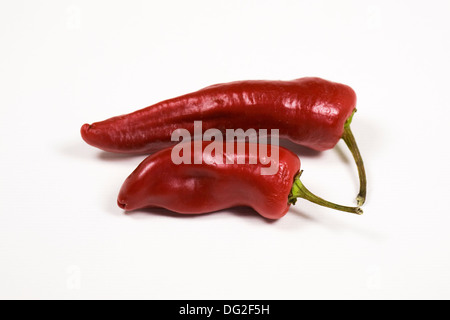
[202, 188]
[307, 111]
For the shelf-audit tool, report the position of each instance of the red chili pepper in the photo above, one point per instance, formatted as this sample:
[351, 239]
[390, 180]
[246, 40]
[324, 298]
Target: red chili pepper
[312, 112]
[211, 186]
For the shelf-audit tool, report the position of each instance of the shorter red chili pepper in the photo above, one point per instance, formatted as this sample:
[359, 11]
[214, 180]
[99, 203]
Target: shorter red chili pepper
[216, 185]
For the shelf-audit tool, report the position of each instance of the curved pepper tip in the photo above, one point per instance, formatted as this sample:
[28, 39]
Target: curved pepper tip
[84, 130]
[121, 204]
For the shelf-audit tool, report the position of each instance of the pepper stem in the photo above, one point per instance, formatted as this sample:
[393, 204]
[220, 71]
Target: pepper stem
[300, 191]
[350, 141]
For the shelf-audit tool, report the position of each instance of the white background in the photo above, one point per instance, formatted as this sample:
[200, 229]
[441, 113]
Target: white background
[64, 63]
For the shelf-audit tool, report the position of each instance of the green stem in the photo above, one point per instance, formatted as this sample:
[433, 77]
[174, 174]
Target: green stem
[350, 141]
[300, 191]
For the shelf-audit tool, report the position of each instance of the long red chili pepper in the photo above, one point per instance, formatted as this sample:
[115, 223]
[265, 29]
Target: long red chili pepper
[312, 112]
[211, 186]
